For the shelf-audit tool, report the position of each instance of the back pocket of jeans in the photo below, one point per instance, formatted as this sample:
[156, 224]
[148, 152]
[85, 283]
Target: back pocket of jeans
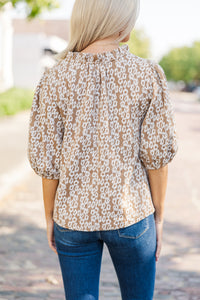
[136, 230]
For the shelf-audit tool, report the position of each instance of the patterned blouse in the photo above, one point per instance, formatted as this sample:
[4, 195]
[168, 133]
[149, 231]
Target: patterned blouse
[98, 122]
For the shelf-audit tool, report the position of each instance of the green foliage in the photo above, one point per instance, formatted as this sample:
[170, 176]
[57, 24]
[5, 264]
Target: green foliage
[183, 63]
[33, 7]
[139, 43]
[15, 100]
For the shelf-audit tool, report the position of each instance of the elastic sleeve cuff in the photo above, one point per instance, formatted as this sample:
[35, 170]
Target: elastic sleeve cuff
[46, 174]
[155, 165]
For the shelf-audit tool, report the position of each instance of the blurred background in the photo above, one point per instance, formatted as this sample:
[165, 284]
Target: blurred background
[31, 32]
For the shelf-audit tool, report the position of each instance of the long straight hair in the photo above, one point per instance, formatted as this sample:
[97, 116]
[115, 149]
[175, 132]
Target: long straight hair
[93, 20]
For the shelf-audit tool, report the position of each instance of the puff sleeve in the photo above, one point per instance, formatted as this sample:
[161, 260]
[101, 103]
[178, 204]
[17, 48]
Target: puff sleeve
[158, 138]
[46, 131]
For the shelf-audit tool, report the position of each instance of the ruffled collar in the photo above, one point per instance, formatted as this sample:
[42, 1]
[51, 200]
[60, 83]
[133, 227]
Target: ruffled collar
[99, 57]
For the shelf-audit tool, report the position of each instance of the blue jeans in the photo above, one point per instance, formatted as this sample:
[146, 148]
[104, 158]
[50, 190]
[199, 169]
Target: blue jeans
[132, 250]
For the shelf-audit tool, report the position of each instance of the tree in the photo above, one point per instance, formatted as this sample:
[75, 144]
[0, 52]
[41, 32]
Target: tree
[139, 43]
[183, 63]
[33, 7]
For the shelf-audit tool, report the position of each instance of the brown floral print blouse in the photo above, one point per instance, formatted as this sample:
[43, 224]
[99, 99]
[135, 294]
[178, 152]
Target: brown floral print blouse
[98, 121]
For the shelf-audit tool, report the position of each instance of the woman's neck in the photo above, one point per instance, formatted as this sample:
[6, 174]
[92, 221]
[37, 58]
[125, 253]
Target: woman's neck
[101, 46]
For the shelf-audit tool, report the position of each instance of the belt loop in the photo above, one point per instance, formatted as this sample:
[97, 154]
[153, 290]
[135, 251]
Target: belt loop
[99, 232]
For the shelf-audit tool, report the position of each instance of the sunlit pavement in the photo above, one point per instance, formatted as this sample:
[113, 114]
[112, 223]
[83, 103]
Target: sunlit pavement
[13, 158]
[30, 270]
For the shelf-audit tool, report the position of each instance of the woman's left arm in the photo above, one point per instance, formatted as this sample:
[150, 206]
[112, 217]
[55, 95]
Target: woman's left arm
[45, 137]
[49, 187]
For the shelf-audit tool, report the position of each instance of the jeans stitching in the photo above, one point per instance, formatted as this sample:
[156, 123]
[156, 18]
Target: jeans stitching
[62, 230]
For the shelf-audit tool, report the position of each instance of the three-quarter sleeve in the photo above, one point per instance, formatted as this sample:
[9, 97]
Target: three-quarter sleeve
[158, 138]
[46, 131]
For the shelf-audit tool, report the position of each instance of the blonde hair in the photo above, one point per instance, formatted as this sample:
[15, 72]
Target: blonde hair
[93, 20]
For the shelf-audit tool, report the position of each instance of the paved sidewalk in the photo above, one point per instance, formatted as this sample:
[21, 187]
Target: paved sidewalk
[13, 158]
[30, 270]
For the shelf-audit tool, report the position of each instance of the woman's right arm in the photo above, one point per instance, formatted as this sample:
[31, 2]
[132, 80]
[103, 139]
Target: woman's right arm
[158, 144]
[158, 186]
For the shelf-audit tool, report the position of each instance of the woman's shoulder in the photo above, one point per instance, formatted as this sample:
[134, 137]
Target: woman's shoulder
[51, 74]
[147, 66]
